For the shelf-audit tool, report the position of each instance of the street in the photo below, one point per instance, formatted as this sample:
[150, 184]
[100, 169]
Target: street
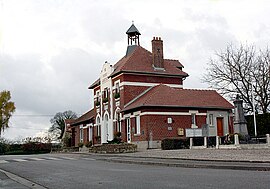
[56, 171]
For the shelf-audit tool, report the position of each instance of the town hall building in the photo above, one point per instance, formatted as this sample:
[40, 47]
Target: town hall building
[142, 98]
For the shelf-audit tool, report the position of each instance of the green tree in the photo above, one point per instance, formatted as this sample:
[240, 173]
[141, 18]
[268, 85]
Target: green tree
[7, 108]
[58, 121]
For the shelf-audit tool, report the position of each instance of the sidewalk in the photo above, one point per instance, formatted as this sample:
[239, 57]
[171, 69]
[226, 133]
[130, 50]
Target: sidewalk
[228, 155]
[234, 155]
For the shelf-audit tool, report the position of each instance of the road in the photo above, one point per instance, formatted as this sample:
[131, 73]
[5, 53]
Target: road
[76, 171]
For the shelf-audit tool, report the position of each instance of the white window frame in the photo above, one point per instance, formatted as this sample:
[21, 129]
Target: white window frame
[81, 134]
[193, 120]
[211, 120]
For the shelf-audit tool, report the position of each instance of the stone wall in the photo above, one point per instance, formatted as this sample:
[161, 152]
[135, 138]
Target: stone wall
[113, 148]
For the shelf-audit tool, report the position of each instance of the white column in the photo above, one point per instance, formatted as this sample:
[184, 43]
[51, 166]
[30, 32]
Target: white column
[217, 142]
[268, 139]
[236, 140]
[190, 143]
[205, 142]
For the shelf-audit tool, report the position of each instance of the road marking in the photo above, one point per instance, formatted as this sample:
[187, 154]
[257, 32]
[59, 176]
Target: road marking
[20, 160]
[89, 159]
[3, 161]
[36, 159]
[52, 158]
[68, 158]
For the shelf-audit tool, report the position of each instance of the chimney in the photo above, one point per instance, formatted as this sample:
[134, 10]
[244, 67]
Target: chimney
[157, 52]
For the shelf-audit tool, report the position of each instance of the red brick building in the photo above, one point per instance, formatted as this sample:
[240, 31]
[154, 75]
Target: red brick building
[142, 97]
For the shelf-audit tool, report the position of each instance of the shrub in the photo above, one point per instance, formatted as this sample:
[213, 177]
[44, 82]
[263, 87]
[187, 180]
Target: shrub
[116, 95]
[117, 134]
[104, 100]
[80, 144]
[88, 144]
[3, 146]
[36, 147]
[174, 143]
[97, 103]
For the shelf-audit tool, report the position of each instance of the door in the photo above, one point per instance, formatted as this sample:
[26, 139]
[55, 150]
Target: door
[220, 126]
[128, 130]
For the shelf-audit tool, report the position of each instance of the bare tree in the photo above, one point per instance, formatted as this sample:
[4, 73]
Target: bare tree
[58, 121]
[236, 70]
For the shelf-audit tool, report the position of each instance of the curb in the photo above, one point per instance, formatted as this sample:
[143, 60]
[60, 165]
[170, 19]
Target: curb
[175, 158]
[22, 181]
[185, 165]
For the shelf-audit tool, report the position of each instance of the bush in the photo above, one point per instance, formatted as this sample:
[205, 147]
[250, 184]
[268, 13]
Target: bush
[88, 144]
[116, 95]
[3, 146]
[80, 144]
[36, 147]
[178, 143]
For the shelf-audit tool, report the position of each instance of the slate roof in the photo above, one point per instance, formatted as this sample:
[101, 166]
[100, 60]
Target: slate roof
[133, 30]
[140, 61]
[165, 96]
[85, 118]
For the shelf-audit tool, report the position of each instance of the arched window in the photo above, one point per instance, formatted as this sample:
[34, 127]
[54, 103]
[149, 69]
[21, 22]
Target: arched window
[117, 117]
[106, 124]
[98, 125]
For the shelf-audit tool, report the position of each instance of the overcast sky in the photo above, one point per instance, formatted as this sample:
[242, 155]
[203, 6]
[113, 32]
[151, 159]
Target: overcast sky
[52, 50]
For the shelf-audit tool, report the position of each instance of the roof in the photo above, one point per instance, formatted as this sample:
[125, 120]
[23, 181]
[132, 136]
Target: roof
[141, 61]
[69, 121]
[133, 30]
[165, 96]
[85, 118]
[96, 83]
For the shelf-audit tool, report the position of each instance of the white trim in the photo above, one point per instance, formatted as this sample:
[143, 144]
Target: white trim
[171, 113]
[143, 84]
[137, 113]
[127, 116]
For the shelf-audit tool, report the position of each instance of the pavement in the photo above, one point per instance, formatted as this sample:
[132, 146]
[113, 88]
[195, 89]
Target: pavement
[236, 159]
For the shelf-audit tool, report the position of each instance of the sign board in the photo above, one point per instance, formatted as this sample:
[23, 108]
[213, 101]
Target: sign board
[194, 132]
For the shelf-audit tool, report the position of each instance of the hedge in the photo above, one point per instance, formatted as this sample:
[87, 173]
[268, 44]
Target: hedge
[174, 143]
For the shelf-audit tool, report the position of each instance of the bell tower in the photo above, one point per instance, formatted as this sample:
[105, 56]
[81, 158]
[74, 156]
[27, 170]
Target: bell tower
[133, 35]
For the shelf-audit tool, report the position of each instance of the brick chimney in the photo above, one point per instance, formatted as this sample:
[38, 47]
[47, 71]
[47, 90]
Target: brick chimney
[157, 52]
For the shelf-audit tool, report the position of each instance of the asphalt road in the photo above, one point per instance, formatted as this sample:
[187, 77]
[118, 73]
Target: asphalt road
[57, 171]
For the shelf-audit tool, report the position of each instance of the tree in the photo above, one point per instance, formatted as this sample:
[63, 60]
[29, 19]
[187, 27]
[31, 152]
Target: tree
[58, 121]
[237, 70]
[7, 108]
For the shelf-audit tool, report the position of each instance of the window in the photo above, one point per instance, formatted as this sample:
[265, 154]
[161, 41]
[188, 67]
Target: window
[138, 125]
[193, 119]
[81, 134]
[211, 119]
[105, 93]
[118, 121]
[98, 126]
[97, 96]
[117, 88]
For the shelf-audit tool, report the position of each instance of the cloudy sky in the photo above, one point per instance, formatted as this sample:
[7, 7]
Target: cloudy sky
[52, 50]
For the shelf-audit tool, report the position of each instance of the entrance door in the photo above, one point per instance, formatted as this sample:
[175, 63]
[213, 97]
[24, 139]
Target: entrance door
[128, 130]
[220, 126]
